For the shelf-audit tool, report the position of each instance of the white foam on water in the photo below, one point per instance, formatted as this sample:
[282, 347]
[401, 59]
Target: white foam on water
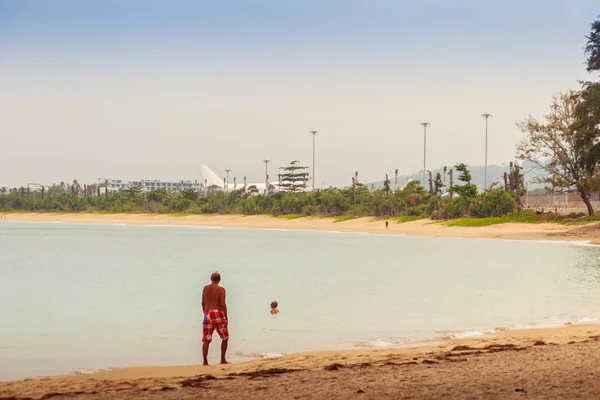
[380, 343]
[473, 333]
[86, 371]
[258, 355]
[181, 226]
[580, 243]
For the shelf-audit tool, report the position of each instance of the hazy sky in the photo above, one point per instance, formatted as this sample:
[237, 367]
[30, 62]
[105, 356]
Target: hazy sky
[153, 89]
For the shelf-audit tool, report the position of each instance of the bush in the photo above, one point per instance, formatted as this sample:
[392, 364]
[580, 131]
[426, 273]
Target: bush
[417, 211]
[460, 207]
[493, 203]
[179, 204]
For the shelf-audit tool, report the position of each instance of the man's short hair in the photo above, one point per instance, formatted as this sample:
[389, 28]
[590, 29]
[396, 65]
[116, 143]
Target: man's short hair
[215, 277]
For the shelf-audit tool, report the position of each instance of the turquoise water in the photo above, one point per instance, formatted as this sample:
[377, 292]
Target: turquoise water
[85, 297]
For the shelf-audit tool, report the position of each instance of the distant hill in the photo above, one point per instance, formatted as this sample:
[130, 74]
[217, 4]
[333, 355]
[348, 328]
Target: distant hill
[495, 174]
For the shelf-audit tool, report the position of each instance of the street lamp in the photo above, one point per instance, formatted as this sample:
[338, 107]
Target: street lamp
[486, 116]
[227, 171]
[266, 176]
[555, 107]
[314, 135]
[425, 125]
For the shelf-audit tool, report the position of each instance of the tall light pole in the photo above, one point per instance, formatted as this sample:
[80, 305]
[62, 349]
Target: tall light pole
[266, 176]
[314, 135]
[555, 108]
[424, 125]
[227, 171]
[487, 117]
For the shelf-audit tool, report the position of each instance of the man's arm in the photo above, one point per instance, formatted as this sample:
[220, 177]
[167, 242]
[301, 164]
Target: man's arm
[224, 304]
[203, 303]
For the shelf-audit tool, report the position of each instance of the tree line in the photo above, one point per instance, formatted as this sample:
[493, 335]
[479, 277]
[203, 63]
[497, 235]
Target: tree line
[461, 200]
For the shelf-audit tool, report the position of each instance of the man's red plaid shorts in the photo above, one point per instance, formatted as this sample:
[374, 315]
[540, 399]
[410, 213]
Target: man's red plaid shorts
[214, 319]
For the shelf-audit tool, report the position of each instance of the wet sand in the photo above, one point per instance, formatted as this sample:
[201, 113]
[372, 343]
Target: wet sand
[515, 231]
[534, 364]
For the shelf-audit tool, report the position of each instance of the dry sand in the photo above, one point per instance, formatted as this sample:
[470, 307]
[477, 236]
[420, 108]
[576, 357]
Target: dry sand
[561, 363]
[546, 231]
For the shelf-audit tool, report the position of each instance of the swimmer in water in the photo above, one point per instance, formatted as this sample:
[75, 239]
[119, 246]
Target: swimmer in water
[274, 310]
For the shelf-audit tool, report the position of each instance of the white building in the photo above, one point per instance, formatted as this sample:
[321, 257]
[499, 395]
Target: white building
[147, 185]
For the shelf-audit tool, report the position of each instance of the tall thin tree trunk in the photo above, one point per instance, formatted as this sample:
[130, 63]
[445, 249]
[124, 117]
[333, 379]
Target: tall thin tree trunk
[586, 199]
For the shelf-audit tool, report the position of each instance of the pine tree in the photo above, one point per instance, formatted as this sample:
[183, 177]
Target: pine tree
[386, 184]
[438, 184]
[468, 189]
[293, 178]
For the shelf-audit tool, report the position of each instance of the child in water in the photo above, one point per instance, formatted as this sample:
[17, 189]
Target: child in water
[274, 310]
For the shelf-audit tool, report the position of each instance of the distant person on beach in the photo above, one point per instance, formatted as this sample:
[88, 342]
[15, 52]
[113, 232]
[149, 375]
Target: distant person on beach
[386, 225]
[274, 310]
[215, 316]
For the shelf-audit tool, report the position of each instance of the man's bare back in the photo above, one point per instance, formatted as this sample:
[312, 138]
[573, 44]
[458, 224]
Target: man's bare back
[213, 298]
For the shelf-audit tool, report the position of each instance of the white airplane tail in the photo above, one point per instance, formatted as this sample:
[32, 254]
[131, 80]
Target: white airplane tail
[210, 177]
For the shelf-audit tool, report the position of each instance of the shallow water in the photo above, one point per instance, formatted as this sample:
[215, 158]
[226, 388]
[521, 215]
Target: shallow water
[85, 297]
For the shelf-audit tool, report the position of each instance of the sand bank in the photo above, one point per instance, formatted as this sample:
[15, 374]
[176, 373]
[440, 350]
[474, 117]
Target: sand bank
[546, 231]
[538, 364]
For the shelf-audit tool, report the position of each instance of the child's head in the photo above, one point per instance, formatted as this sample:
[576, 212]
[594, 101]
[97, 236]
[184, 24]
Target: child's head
[274, 304]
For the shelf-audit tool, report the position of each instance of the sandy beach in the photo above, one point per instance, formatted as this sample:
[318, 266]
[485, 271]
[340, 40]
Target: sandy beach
[514, 231]
[536, 364]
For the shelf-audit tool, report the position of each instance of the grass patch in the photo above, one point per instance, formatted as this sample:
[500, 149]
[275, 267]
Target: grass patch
[521, 218]
[342, 218]
[290, 216]
[476, 222]
[406, 218]
[583, 220]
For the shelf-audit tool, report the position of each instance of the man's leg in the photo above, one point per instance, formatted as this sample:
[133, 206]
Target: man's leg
[223, 351]
[205, 352]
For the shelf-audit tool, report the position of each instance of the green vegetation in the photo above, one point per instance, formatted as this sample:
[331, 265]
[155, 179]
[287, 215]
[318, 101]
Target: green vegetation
[524, 218]
[406, 218]
[476, 222]
[407, 204]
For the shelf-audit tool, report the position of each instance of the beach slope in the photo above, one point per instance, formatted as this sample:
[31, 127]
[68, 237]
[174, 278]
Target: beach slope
[533, 364]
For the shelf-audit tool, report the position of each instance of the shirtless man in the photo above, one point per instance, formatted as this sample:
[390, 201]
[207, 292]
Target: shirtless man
[215, 316]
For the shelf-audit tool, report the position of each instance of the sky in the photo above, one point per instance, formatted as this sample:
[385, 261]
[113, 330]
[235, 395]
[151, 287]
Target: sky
[154, 89]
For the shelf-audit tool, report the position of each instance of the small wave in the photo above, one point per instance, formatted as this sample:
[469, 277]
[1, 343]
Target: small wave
[379, 343]
[578, 243]
[86, 371]
[581, 321]
[181, 226]
[473, 333]
[279, 230]
[258, 355]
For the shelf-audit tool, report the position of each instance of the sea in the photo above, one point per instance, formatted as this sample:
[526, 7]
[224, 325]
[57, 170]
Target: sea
[77, 298]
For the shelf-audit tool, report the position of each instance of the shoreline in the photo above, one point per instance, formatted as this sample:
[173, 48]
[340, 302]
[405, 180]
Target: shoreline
[453, 358]
[589, 233]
